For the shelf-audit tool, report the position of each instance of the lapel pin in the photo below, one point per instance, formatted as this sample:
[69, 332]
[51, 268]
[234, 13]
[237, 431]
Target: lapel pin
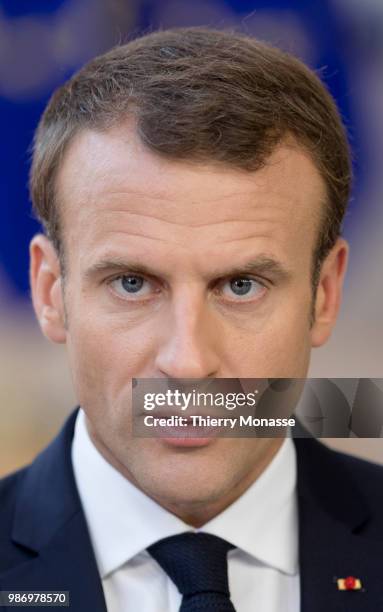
[349, 584]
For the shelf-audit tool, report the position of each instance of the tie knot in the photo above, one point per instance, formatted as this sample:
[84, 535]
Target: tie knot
[195, 562]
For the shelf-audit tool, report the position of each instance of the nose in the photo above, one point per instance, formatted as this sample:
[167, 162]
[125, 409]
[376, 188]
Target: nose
[189, 340]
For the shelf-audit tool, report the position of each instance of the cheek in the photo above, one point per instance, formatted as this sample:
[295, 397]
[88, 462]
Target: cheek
[290, 338]
[279, 346]
[104, 354]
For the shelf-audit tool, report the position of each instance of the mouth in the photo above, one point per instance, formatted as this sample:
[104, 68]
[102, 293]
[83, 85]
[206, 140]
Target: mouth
[182, 431]
[187, 442]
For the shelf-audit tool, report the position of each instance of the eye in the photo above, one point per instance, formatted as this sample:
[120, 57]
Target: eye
[131, 285]
[242, 288]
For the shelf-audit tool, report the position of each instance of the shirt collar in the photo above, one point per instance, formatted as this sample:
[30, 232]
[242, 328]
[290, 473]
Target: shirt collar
[262, 522]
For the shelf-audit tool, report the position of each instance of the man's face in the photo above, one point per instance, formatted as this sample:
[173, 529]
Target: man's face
[184, 271]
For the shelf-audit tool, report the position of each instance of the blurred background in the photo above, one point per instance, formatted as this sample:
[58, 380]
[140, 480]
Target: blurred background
[43, 42]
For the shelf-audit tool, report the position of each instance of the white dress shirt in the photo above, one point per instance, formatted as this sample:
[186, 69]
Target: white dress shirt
[123, 521]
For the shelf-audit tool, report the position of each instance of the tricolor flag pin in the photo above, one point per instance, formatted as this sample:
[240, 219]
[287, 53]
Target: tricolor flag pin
[349, 584]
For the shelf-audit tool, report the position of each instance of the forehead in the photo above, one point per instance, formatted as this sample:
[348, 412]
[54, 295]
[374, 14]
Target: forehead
[111, 187]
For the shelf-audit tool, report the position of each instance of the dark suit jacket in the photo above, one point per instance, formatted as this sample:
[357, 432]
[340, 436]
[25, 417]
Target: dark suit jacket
[45, 545]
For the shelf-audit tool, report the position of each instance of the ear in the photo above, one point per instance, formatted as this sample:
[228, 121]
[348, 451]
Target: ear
[47, 296]
[329, 292]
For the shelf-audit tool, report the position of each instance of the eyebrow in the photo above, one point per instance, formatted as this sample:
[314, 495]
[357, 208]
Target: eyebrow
[262, 265]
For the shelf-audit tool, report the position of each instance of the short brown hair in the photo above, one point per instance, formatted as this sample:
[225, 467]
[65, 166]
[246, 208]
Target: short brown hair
[200, 95]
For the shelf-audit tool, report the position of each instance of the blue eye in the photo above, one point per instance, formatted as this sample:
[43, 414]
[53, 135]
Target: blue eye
[242, 287]
[132, 285]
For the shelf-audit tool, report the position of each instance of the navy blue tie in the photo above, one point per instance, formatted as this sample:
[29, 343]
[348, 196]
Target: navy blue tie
[197, 564]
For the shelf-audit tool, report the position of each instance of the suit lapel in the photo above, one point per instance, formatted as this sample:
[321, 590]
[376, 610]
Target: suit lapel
[50, 535]
[65, 564]
[333, 516]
